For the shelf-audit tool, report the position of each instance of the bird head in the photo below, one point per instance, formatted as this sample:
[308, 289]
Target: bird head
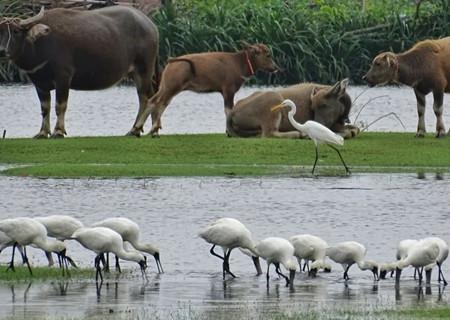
[285, 104]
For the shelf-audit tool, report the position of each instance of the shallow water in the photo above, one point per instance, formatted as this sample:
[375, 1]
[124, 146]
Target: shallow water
[113, 111]
[377, 210]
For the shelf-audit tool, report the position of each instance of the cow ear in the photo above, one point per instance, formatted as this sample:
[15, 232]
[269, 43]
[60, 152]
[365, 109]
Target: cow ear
[335, 90]
[314, 92]
[343, 86]
[37, 31]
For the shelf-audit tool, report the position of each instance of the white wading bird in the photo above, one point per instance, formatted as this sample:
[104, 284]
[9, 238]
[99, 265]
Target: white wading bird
[6, 242]
[278, 250]
[311, 248]
[103, 240]
[129, 230]
[350, 252]
[27, 231]
[230, 233]
[316, 131]
[60, 227]
[423, 254]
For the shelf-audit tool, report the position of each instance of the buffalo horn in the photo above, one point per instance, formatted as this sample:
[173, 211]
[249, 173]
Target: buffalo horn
[32, 20]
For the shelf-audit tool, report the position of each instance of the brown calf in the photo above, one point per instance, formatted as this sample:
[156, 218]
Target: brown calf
[223, 72]
[328, 105]
[426, 68]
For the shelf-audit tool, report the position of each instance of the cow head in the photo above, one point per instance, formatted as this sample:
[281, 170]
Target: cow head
[261, 57]
[14, 32]
[331, 105]
[384, 69]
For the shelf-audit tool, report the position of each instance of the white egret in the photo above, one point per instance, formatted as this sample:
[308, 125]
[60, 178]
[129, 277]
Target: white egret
[311, 248]
[27, 231]
[103, 240]
[6, 242]
[230, 233]
[60, 227]
[129, 231]
[278, 251]
[422, 254]
[350, 252]
[316, 131]
[442, 256]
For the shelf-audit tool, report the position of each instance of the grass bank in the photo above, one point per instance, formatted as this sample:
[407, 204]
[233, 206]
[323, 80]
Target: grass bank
[218, 155]
[21, 273]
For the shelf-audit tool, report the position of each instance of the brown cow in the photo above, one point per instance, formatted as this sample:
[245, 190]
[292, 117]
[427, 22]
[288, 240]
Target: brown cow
[426, 68]
[328, 105]
[223, 72]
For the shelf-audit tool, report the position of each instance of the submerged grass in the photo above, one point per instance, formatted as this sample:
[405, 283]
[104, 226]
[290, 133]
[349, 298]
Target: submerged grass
[218, 155]
[21, 273]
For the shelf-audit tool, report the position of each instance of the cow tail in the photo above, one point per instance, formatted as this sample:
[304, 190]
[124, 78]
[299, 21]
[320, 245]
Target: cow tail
[156, 80]
[191, 64]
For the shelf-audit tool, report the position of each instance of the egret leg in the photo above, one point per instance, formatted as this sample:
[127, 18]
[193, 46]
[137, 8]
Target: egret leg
[278, 271]
[158, 264]
[267, 274]
[315, 162]
[105, 262]
[441, 274]
[347, 170]
[226, 263]
[215, 254]
[346, 277]
[25, 258]
[11, 263]
[118, 265]
[98, 269]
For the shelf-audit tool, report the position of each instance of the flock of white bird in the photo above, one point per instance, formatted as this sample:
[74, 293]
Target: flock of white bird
[121, 236]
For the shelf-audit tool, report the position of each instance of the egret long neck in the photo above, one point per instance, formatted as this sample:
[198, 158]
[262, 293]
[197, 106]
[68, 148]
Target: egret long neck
[295, 124]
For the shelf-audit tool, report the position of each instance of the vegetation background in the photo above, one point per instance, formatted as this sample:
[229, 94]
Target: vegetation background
[313, 40]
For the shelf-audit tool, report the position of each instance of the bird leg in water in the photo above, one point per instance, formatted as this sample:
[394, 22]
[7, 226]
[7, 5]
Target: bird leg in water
[118, 265]
[347, 170]
[215, 254]
[428, 276]
[25, 258]
[278, 271]
[98, 272]
[158, 263]
[346, 277]
[226, 264]
[11, 263]
[257, 265]
[441, 274]
[306, 265]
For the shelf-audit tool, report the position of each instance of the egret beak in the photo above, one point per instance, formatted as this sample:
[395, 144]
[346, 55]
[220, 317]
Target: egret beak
[143, 265]
[257, 265]
[398, 272]
[291, 279]
[277, 107]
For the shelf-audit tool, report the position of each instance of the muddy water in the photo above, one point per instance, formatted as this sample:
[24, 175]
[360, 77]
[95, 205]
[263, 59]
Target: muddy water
[113, 111]
[376, 210]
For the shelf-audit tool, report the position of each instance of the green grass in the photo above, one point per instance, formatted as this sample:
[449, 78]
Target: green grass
[218, 155]
[21, 273]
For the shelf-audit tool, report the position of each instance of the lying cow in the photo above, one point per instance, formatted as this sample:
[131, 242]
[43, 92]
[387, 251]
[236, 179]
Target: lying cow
[425, 68]
[328, 105]
[66, 49]
[223, 72]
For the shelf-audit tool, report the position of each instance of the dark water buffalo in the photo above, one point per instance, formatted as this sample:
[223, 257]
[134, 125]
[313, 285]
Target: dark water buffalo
[328, 105]
[426, 68]
[66, 49]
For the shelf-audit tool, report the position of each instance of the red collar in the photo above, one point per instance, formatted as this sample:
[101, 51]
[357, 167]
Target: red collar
[249, 63]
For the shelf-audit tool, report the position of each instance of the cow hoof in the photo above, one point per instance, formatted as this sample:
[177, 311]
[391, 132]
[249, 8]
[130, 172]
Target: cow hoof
[155, 135]
[420, 135]
[57, 135]
[440, 134]
[133, 133]
[41, 135]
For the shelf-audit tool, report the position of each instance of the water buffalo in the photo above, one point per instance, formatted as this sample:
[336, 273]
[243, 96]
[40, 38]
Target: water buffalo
[426, 68]
[223, 72]
[328, 105]
[66, 49]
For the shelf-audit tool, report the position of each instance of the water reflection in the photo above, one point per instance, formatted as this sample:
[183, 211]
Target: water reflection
[376, 210]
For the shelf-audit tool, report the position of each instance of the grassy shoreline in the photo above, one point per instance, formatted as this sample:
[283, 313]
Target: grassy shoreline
[218, 155]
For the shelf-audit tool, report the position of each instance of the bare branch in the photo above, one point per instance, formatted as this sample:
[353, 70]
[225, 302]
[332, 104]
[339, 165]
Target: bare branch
[384, 116]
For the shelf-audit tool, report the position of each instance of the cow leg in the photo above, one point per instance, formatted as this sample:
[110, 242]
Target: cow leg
[45, 100]
[144, 89]
[421, 102]
[288, 134]
[438, 110]
[228, 100]
[62, 95]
